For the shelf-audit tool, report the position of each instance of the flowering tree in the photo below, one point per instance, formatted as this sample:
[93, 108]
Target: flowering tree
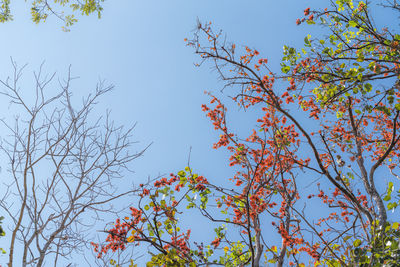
[330, 118]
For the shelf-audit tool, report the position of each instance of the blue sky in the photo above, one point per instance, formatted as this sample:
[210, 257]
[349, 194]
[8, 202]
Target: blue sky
[139, 47]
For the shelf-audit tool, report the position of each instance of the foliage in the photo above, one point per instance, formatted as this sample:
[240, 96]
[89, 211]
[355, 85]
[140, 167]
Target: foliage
[65, 10]
[2, 233]
[383, 249]
[331, 114]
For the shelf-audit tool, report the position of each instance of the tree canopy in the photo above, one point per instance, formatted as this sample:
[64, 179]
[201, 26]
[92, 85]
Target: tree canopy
[327, 136]
[66, 10]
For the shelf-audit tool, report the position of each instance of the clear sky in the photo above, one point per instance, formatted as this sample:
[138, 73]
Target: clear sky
[139, 47]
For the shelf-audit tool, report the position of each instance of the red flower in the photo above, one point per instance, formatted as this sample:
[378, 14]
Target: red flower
[216, 242]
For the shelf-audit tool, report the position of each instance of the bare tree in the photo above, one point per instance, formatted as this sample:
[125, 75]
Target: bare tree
[64, 164]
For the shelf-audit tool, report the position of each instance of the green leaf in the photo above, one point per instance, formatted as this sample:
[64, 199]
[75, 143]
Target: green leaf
[368, 87]
[387, 197]
[357, 243]
[390, 187]
[285, 69]
[392, 205]
[352, 23]
[307, 41]
[182, 174]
